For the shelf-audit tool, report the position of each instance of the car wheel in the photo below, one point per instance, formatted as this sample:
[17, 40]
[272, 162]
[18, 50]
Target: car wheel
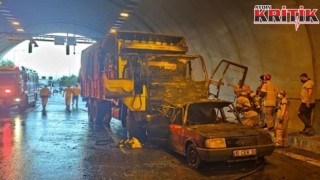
[193, 158]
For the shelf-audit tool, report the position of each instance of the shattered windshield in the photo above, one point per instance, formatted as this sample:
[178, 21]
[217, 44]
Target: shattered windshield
[176, 68]
[210, 113]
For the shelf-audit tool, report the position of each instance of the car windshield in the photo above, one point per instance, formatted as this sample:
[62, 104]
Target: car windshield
[8, 79]
[210, 113]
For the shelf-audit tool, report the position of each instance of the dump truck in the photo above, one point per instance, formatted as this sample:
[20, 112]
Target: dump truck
[131, 76]
[18, 88]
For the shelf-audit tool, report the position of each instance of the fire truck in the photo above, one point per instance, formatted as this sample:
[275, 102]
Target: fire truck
[18, 87]
[131, 76]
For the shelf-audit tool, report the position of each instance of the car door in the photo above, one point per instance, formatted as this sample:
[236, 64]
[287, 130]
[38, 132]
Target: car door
[176, 130]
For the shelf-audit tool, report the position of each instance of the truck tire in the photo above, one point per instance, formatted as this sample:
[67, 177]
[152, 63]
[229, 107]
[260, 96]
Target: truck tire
[89, 104]
[134, 129]
[24, 103]
[33, 104]
[100, 110]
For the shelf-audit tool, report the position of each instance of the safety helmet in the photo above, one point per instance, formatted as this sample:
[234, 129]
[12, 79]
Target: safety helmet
[282, 92]
[267, 76]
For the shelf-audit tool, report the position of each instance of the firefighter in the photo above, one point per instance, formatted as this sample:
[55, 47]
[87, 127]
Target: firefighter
[67, 93]
[258, 101]
[307, 104]
[75, 95]
[44, 94]
[243, 105]
[269, 94]
[282, 138]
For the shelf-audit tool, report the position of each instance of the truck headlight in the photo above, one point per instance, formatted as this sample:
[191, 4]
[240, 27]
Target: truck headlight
[17, 99]
[215, 143]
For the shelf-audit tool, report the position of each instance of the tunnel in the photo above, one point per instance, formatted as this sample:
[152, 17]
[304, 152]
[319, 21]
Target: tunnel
[223, 30]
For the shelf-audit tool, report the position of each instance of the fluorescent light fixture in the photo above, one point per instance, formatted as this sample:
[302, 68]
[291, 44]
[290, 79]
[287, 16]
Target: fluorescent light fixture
[124, 14]
[113, 31]
[4, 11]
[20, 30]
[7, 14]
[15, 23]
[10, 18]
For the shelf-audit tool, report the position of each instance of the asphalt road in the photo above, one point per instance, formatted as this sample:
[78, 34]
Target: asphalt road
[62, 145]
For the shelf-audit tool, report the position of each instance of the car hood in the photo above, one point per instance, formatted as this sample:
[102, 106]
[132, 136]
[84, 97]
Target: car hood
[226, 130]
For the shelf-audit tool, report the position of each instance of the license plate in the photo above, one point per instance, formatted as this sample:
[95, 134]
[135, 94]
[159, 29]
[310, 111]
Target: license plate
[244, 152]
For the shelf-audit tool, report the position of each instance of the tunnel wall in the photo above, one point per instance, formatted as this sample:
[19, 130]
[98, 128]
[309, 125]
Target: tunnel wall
[224, 30]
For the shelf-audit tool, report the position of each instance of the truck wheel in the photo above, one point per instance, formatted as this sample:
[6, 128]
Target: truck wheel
[33, 104]
[90, 104]
[100, 111]
[24, 103]
[193, 158]
[35, 101]
[134, 129]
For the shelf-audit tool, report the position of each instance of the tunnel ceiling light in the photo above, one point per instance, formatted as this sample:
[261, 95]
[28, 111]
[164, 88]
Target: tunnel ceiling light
[20, 30]
[4, 11]
[10, 18]
[15, 23]
[123, 14]
[7, 14]
[113, 31]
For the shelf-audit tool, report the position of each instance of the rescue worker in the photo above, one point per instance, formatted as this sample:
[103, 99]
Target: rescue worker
[307, 104]
[44, 94]
[75, 95]
[258, 90]
[282, 138]
[268, 94]
[67, 93]
[243, 105]
[258, 101]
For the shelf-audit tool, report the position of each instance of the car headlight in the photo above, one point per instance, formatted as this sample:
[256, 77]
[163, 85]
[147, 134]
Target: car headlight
[215, 143]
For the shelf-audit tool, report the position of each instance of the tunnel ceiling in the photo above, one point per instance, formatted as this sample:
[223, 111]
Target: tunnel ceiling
[215, 29]
[89, 18]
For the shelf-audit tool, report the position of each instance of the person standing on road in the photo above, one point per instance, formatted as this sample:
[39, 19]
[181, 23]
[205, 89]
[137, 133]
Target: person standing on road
[67, 93]
[269, 94]
[307, 104]
[44, 94]
[282, 138]
[75, 96]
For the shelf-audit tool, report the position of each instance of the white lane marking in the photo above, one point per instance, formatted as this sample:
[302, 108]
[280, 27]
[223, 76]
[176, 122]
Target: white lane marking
[299, 157]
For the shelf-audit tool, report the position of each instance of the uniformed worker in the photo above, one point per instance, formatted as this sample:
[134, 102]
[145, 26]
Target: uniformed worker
[269, 94]
[282, 138]
[67, 93]
[243, 105]
[75, 95]
[307, 104]
[44, 94]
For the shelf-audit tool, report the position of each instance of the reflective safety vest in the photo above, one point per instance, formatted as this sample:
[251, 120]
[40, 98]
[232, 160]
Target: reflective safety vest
[76, 91]
[44, 92]
[271, 94]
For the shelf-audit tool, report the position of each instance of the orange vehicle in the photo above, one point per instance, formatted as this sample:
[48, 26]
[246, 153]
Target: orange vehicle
[18, 87]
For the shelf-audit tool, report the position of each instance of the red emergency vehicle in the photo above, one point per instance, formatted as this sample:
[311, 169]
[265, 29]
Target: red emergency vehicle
[18, 87]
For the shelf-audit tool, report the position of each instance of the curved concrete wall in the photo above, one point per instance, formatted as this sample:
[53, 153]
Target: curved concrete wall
[224, 30]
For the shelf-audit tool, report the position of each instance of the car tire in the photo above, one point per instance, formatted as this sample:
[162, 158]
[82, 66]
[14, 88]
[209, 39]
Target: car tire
[193, 158]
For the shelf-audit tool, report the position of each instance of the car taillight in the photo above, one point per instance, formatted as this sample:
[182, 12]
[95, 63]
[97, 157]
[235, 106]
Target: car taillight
[7, 91]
